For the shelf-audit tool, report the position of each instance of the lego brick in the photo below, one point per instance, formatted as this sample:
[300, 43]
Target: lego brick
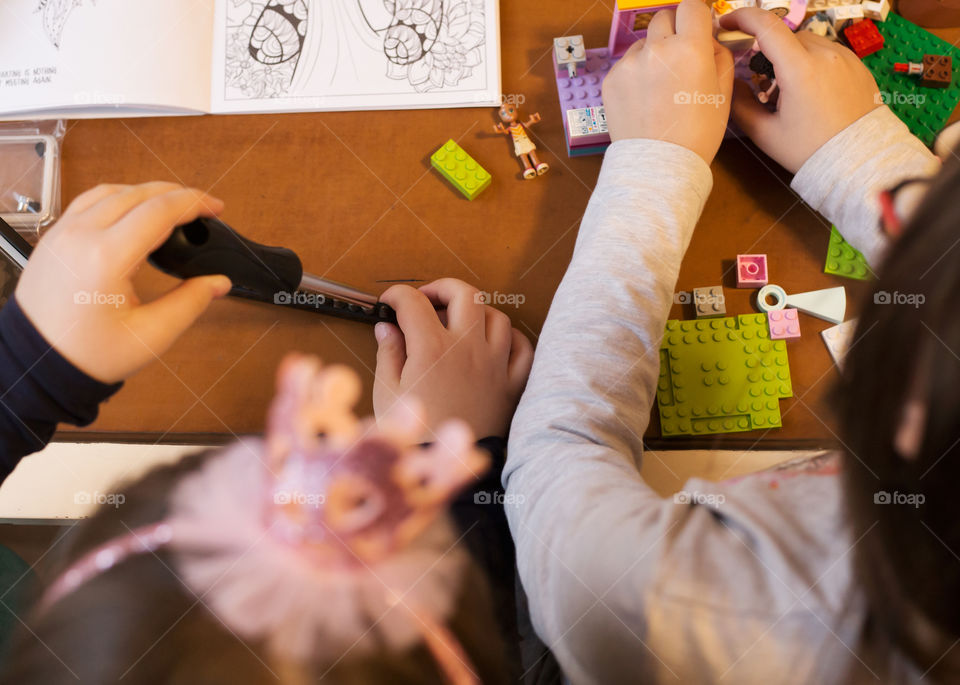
[784, 323]
[877, 10]
[843, 259]
[925, 111]
[937, 71]
[838, 340]
[863, 38]
[460, 169]
[735, 41]
[829, 304]
[587, 126]
[709, 302]
[583, 92]
[630, 24]
[569, 52]
[751, 270]
[721, 376]
[841, 13]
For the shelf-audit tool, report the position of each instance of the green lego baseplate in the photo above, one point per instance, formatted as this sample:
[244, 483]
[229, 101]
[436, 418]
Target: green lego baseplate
[721, 376]
[460, 169]
[924, 110]
[843, 259]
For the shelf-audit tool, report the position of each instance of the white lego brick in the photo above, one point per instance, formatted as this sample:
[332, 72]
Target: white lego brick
[877, 10]
[829, 304]
[570, 50]
[844, 13]
[838, 340]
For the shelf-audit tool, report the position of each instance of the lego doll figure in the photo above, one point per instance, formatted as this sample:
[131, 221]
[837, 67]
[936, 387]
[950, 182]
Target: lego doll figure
[523, 147]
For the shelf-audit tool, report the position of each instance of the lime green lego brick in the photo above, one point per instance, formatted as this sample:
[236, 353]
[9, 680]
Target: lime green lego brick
[924, 110]
[843, 259]
[721, 376]
[460, 169]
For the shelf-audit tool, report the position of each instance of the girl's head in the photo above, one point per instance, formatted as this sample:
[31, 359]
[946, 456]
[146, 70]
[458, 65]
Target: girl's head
[295, 559]
[900, 411]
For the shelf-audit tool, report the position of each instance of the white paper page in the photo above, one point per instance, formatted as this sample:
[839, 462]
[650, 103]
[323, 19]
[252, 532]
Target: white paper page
[306, 55]
[74, 55]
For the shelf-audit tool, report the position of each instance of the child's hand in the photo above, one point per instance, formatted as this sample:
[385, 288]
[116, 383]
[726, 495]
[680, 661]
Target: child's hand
[824, 88]
[77, 287]
[473, 368]
[673, 86]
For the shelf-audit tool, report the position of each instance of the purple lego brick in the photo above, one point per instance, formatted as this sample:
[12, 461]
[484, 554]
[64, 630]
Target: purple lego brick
[582, 92]
[784, 323]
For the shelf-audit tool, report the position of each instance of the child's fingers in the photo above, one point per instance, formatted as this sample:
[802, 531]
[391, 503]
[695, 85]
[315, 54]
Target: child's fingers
[465, 310]
[145, 227]
[87, 199]
[391, 354]
[158, 323]
[498, 327]
[751, 116]
[775, 40]
[109, 209]
[693, 20]
[521, 359]
[724, 61]
[662, 25]
[416, 316]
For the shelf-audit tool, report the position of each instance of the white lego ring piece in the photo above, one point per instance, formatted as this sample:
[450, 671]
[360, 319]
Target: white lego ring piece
[774, 291]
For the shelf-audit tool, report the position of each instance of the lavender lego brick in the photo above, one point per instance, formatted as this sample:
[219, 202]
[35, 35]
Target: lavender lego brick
[583, 91]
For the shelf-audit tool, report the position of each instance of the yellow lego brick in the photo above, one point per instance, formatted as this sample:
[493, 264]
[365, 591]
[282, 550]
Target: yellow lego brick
[460, 169]
[626, 5]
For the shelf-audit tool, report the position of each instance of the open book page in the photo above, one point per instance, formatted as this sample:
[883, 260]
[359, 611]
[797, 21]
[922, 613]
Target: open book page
[104, 57]
[301, 55]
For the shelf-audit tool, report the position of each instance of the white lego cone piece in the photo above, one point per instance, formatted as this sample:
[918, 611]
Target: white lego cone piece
[829, 304]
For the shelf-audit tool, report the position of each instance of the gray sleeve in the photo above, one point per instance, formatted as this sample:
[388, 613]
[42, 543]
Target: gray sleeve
[844, 178]
[580, 515]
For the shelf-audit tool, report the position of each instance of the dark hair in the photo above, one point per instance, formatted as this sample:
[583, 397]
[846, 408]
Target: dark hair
[138, 622]
[907, 551]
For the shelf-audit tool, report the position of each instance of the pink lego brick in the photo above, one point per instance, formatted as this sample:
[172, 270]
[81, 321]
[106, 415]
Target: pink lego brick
[784, 323]
[751, 270]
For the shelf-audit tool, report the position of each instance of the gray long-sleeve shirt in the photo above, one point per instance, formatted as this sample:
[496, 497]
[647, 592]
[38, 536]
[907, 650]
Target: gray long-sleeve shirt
[755, 586]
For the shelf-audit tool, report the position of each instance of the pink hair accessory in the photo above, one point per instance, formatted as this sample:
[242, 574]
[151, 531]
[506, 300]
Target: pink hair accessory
[335, 542]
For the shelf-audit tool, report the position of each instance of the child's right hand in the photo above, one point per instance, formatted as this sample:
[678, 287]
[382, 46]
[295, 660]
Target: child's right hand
[472, 365]
[824, 87]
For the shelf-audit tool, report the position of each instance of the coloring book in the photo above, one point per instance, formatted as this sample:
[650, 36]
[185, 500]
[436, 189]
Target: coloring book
[102, 58]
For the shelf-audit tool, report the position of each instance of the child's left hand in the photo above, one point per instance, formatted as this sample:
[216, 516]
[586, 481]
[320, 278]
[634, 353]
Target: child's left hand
[673, 86]
[77, 287]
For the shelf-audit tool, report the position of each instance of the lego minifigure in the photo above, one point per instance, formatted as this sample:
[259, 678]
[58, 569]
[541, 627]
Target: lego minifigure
[523, 147]
[766, 79]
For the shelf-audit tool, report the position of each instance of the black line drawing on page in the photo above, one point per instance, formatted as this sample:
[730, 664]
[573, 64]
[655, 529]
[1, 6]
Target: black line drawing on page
[278, 47]
[54, 15]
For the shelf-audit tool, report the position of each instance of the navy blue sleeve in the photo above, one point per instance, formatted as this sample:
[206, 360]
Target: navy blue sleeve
[38, 389]
[480, 515]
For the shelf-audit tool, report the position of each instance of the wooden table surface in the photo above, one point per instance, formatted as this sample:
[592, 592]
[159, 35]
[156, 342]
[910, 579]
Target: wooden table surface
[354, 195]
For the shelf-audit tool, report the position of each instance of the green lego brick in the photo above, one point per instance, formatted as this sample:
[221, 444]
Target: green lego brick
[924, 110]
[843, 259]
[721, 376]
[460, 169]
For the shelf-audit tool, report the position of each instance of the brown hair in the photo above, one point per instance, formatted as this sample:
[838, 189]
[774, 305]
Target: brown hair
[905, 510]
[139, 623]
